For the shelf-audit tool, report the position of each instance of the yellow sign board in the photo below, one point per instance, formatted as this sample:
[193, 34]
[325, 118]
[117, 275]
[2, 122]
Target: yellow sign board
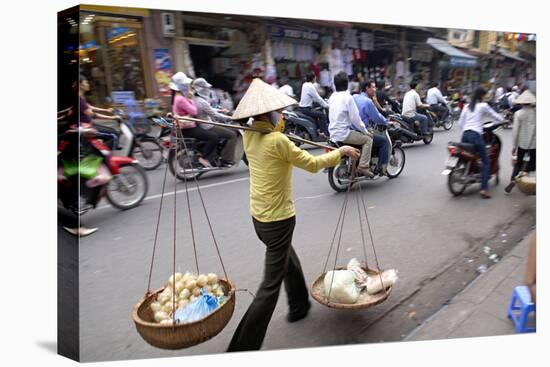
[116, 10]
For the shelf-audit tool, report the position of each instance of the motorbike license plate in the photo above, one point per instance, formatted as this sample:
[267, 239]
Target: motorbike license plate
[451, 162]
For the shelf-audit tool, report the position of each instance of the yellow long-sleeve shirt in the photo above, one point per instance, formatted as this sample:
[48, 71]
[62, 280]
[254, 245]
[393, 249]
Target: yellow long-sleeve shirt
[270, 160]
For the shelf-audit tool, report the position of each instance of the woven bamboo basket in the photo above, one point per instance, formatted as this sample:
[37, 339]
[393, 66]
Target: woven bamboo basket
[526, 184]
[365, 300]
[182, 335]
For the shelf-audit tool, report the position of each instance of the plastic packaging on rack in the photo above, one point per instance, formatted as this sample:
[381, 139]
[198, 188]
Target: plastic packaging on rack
[340, 284]
[198, 309]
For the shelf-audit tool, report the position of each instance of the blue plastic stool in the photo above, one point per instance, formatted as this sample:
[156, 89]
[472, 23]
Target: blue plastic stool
[521, 301]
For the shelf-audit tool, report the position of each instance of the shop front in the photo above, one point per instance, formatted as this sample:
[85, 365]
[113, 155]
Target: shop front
[112, 52]
[457, 70]
[293, 53]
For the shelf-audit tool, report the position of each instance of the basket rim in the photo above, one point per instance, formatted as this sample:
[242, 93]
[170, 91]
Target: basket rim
[140, 321]
[336, 305]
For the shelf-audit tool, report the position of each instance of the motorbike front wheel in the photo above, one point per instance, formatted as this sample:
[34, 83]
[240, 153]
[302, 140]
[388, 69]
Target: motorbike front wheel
[396, 162]
[456, 179]
[128, 188]
[448, 124]
[149, 154]
[336, 177]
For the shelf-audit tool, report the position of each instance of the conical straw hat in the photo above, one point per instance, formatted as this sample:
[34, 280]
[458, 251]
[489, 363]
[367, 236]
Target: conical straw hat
[261, 98]
[525, 98]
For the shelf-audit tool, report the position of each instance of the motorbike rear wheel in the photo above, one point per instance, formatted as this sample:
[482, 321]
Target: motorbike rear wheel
[427, 139]
[396, 162]
[148, 153]
[455, 180]
[127, 189]
[182, 167]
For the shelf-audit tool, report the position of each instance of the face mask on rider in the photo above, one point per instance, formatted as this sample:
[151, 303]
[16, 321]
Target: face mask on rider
[277, 120]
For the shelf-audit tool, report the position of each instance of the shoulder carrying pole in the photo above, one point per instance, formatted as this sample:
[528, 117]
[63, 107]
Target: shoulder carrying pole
[264, 131]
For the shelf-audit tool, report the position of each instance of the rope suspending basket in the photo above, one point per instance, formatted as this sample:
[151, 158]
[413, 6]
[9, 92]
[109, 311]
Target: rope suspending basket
[155, 321]
[365, 299]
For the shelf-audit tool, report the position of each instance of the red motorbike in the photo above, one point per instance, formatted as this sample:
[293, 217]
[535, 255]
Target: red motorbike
[120, 179]
[463, 166]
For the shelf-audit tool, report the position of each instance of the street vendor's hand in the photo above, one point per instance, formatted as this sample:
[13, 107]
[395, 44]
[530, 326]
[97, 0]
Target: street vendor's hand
[351, 152]
[514, 150]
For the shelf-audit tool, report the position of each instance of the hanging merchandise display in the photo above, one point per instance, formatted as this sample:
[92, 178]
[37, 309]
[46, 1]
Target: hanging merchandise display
[192, 307]
[356, 286]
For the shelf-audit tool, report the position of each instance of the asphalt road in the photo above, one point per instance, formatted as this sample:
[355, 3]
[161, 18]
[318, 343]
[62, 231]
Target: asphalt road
[418, 229]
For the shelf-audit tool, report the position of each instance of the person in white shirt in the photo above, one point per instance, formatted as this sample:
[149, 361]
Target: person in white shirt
[285, 87]
[343, 114]
[499, 93]
[437, 102]
[411, 101]
[308, 96]
[471, 122]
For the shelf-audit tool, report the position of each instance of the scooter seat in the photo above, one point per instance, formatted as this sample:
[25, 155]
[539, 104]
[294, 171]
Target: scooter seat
[408, 120]
[466, 146]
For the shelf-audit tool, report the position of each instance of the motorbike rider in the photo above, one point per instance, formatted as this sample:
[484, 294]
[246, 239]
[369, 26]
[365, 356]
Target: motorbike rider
[89, 112]
[471, 122]
[437, 102]
[343, 115]
[382, 97]
[271, 158]
[308, 96]
[411, 101]
[371, 116]
[206, 112]
[183, 105]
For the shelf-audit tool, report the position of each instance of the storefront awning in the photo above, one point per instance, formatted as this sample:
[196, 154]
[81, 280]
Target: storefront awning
[457, 58]
[510, 55]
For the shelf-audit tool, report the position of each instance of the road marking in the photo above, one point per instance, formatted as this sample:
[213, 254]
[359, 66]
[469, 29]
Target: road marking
[312, 197]
[170, 193]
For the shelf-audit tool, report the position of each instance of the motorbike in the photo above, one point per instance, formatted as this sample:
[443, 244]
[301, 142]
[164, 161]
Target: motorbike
[463, 166]
[124, 184]
[409, 131]
[454, 109]
[185, 166]
[340, 176]
[446, 123]
[301, 125]
[135, 142]
[502, 106]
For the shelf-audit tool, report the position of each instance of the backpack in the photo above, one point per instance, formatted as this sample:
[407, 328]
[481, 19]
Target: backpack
[503, 103]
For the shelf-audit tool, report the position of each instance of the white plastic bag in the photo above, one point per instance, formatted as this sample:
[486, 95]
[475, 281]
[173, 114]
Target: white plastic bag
[343, 286]
[360, 274]
[389, 277]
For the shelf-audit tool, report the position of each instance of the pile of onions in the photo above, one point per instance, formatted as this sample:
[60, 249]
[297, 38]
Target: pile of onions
[188, 288]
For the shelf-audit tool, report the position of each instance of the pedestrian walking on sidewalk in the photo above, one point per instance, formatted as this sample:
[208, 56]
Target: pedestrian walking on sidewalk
[524, 137]
[271, 157]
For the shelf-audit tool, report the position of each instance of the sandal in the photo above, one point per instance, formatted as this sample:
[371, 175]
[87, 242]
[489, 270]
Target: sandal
[485, 194]
[204, 162]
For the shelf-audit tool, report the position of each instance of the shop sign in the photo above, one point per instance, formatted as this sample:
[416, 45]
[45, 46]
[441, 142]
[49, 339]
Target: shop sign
[115, 32]
[462, 62]
[281, 32]
[163, 70]
[121, 97]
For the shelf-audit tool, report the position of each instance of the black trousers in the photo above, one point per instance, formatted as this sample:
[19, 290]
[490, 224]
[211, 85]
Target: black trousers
[319, 117]
[281, 265]
[441, 111]
[531, 166]
[199, 133]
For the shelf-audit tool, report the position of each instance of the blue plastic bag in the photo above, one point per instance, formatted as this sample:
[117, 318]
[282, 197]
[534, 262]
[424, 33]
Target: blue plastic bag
[196, 310]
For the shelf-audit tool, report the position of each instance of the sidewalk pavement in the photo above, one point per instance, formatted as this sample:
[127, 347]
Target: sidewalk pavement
[481, 308]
